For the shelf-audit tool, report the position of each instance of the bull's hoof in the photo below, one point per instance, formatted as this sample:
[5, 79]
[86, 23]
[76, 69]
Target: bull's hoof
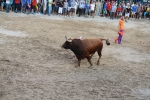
[90, 67]
[97, 63]
[76, 66]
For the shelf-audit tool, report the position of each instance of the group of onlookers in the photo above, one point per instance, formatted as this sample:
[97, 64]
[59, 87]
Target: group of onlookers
[128, 10]
[57, 7]
[109, 9]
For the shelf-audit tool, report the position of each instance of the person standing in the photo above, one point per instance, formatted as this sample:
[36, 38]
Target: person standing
[120, 30]
[2, 5]
[113, 11]
[98, 8]
[28, 6]
[81, 8]
[33, 6]
[7, 6]
[11, 3]
[92, 8]
[60, 9]
[127, 12]
[86, 9]
[134, 9]
[23, 6]
[65, 8]
[44, 2]
[17, 4]
[50, 7]
[72, 10]
[108, 8]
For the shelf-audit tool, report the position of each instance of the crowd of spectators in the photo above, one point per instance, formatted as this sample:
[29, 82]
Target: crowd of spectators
[108, 9]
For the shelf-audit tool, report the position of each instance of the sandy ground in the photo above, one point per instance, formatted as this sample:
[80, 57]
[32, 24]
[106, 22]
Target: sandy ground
[33, 66]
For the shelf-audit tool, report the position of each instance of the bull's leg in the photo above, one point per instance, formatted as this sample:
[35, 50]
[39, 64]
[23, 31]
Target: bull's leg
[99, 58]
[99, 53]
[79, 61]
[78, 65]
[89, 60]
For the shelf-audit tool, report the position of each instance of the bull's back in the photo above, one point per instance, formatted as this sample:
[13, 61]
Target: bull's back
[92, 44]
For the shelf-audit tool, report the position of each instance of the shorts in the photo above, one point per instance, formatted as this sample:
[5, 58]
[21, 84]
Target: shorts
[105, 11]
[28, 6]
[44, 6]
[33, 7]
[65, 10]
[92, 11]
[69, 8]
[108, 12]
[126, 14]
[133, 13]
[72, 10]
[145, 13]
[23, 6]
[119, 13]
[53, 7]
[2, 4]
[60, 10]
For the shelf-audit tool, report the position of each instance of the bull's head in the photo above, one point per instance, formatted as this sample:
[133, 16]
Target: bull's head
[67, 44]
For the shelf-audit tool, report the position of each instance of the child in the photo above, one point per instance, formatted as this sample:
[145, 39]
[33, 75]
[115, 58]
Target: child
[120, 30]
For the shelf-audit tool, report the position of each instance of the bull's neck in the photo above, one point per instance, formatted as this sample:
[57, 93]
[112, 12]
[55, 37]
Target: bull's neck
[75, 50]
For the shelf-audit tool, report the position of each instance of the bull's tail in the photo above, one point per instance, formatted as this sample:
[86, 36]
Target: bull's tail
[107, 42]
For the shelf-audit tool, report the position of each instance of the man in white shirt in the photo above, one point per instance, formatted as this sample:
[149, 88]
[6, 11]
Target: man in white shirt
[92, 8]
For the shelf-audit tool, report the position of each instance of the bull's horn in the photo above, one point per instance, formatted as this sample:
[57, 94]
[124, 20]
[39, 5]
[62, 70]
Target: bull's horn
[66, 38]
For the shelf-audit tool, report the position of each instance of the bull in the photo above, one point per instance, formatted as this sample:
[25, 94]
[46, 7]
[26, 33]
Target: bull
[85, 48]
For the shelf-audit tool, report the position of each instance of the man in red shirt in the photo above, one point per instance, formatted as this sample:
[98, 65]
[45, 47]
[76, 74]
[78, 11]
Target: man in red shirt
[17, 4]
[33, 6]
[108, 9]
[119, 11]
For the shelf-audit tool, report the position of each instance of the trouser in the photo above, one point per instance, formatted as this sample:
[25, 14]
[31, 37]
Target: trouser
[49, 10]
[112, 15]
[80, 11]
[119, 38]
[7, 8]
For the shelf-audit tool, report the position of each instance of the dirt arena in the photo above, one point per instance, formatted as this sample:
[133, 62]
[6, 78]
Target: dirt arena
[33, 66]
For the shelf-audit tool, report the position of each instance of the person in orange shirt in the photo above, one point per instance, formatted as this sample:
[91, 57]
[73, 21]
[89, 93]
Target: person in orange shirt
[120, 30]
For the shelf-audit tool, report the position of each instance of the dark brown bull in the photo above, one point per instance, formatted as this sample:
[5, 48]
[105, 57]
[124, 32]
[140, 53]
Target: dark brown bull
[85, 48]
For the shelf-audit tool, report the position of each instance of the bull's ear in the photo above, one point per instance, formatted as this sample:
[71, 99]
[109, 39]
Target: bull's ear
[69, 40]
